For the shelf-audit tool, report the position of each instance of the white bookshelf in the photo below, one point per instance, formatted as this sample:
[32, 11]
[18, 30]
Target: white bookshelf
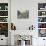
[41, 19]
[4, 17]
[42, 13]
[3, 12]
[8, 22]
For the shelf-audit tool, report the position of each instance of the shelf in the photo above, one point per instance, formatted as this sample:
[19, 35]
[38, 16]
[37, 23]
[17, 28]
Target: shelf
[41, 28]
[3, 16]
[42, 16]
[3, 22]
[3, 10]
[41, 22]
[41, 10]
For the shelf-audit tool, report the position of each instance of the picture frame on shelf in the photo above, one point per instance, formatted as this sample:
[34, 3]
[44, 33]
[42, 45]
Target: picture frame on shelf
[41, 13]
[41, 19]
[3, 6]
[41, 6]
[6, 7]
[3, 13]
[42, 32]
[3, 19]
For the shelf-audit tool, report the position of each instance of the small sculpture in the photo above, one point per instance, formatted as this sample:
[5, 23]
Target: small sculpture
[31, 27]
[13, 27]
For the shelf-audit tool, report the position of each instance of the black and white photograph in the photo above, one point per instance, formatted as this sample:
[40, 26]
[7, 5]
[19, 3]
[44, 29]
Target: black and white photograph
[23, 14]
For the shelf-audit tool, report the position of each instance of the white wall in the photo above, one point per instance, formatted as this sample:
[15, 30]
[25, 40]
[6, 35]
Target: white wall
[32, 6]
[23, 24]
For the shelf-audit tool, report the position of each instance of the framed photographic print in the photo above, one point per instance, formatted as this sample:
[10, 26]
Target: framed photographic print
[23, 14]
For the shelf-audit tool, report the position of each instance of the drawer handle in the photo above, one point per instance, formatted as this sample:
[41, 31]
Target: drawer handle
[1, 39]
[43, 39]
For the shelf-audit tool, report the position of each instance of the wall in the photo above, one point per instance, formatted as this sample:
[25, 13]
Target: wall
[23, 24]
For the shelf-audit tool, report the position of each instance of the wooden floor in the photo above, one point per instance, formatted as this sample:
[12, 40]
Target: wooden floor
[3, 45]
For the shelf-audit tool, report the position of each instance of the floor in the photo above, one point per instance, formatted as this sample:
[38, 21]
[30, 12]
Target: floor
[3, 45]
